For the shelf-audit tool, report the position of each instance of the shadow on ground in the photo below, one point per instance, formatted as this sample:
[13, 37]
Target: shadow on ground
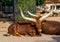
[56, 38]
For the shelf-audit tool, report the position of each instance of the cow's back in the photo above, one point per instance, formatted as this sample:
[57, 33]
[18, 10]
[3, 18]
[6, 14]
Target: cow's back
[51, 27]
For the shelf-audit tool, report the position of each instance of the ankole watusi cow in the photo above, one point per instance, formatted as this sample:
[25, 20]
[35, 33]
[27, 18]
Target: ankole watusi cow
[50, 26]
[41, 24]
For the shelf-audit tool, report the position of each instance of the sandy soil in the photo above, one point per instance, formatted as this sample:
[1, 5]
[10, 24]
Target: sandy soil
[43, 38]
[53, 19]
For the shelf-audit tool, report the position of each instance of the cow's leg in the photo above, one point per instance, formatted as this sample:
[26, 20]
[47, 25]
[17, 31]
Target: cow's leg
[16, 30]
[21, 30]
[17, 33]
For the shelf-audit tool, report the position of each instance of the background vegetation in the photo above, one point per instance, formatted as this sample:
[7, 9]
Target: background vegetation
[7, 2]
[25, 5]
[40, 2]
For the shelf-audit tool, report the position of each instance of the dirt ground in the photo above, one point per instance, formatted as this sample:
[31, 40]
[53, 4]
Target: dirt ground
[43, 38]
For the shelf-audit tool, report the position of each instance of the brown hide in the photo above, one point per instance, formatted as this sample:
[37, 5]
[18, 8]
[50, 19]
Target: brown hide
[38, 26]
[51, 27]
[21, 29]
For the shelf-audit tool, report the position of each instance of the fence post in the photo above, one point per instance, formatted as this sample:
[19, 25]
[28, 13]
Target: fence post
[34, 5]
[14, 9]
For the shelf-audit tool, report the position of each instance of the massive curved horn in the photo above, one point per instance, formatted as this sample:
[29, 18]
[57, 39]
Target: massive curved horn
[43, 17]
[34, 15]
[30, 19]
[31, 14]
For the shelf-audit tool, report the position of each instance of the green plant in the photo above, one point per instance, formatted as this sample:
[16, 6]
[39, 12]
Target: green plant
[8, 2]
[40, 2]
[25, 6]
